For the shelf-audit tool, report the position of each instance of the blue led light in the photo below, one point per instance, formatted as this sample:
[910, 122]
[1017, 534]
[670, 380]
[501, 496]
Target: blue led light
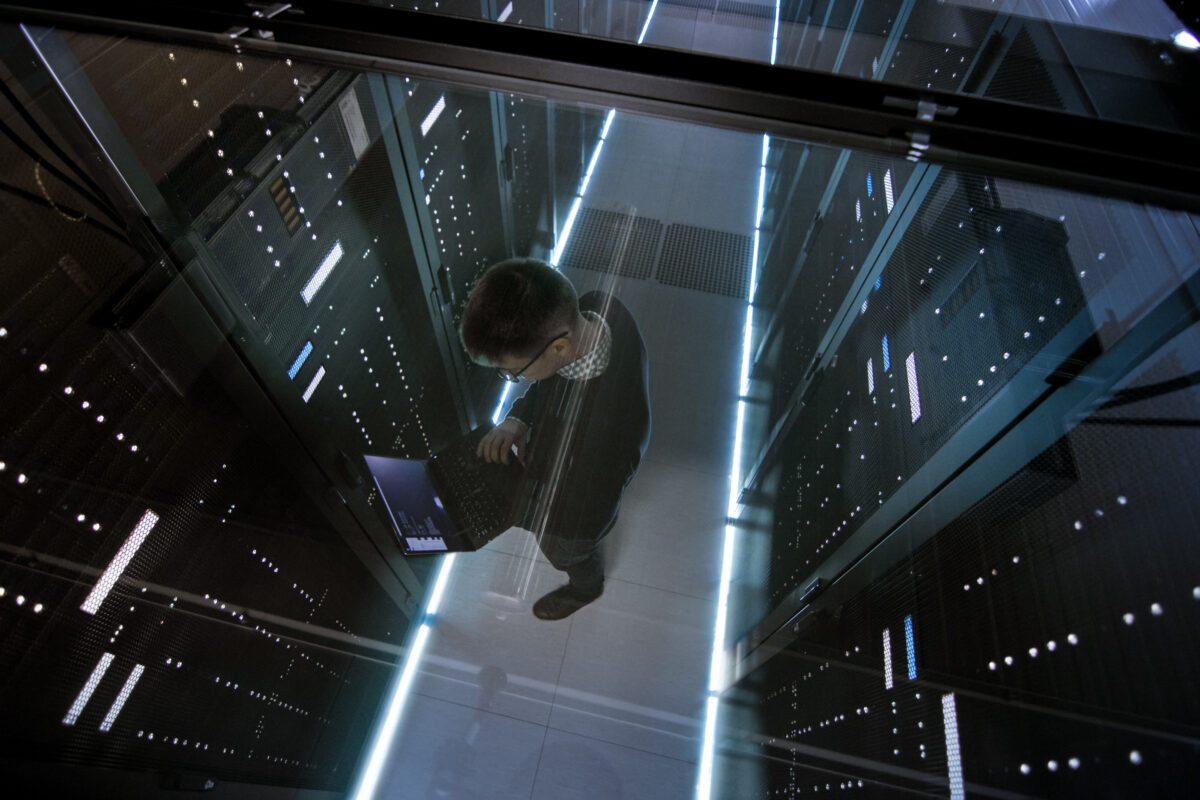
[870, 186]
[887, 358]
[911, 645]
[300, 359]
[878, 282]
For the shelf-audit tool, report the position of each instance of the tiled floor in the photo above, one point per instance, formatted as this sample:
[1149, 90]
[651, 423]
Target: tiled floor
[607, 703]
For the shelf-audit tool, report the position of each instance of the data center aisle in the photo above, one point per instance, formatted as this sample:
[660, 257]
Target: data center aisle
[609, 702]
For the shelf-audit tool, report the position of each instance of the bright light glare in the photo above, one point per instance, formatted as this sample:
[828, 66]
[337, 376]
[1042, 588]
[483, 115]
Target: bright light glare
[439, 587]
[1186, 40]
[704, 786]
[563, 237]
[382, 746]
[508, 9]
[646, 27]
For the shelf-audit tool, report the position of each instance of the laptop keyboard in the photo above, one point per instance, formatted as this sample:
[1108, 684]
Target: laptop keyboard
[473, 486]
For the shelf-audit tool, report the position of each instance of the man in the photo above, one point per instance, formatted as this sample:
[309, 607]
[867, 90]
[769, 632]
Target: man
[582, 427]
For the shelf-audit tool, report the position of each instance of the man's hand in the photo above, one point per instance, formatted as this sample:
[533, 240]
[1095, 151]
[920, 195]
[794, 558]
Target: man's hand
[497, 446]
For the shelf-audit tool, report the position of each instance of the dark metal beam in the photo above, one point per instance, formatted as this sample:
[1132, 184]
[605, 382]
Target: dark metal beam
[992, 136]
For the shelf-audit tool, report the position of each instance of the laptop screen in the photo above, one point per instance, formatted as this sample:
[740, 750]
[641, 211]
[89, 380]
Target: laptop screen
[417, 512]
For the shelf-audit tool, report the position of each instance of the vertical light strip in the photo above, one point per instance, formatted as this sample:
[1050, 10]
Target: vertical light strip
[314, 383]
[887, 356]
[910, 647]
[322, 274]
[775, 33]
[953, 755]
[565, 235]
[120, 561]
[646, 26]
[914, 397]
[300, 359]
[858, 210]
[716, 675]
[870, 377]
[508, 9]
[85, 694]
[385, 733]
[887, 190]
[887, 659]
[433, 115]
[119, 703]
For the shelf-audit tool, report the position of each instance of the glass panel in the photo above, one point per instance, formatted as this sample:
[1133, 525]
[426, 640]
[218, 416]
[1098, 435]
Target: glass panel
[909, 422]
[1126, 60]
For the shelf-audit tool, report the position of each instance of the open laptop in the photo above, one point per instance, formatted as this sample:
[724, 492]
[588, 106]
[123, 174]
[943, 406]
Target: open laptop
[452, 502]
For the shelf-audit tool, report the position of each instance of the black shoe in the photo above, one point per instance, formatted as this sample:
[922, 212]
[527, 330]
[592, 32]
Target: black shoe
[563, 602]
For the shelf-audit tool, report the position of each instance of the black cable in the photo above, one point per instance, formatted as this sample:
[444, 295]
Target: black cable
[97, 195]
[41, 201]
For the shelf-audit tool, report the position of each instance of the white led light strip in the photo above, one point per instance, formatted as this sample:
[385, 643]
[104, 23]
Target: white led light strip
[322, 274]
[312, 385]
[508, 9]
[433, 115]
[85, 694]
[887, 659]
[716, 675]
[120, 561]
[953, 755]
[119, 703]
[914, 397]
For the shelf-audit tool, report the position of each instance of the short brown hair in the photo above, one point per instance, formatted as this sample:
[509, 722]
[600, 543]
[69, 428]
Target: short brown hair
[512, 308]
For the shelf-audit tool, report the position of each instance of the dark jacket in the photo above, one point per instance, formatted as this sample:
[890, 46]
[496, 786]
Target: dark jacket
[587, 438]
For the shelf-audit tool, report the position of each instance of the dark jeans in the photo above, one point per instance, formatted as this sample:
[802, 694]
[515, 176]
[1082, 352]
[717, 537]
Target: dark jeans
[581, 559]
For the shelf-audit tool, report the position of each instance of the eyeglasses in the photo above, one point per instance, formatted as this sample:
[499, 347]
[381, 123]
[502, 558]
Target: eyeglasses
[515, 377]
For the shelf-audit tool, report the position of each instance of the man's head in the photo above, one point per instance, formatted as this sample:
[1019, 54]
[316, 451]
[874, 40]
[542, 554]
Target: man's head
[520, 318]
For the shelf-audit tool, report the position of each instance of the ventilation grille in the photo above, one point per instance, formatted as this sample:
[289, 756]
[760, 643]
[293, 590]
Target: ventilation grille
[707, 260]
[597, 234]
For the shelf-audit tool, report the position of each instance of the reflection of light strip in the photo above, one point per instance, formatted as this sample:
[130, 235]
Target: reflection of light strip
[953, 756]
[299, 362]
[649, 17]
[887, 356]
[887, 659]
[716, 678]
[85, 693]
[910, 646]
[565, 235]
[312, 385]
[858, 210]
[433, 115]
[775, 33]
[322, 274]
[887, 190]
[119, 703]
[119, 562]
[508, 9]
[386, 732]
[914, 399]
[870, 377]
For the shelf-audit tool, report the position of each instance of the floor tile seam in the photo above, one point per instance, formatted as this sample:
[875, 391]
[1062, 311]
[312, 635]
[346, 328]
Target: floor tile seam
[699, 724]
[716, 472]
[613, 579]
[500, 714]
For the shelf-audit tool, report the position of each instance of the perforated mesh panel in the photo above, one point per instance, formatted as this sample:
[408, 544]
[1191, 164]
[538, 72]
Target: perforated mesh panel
[706, 259]
[597, 236]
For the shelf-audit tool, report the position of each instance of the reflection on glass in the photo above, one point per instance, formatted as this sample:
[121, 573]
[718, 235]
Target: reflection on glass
[915, 518]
